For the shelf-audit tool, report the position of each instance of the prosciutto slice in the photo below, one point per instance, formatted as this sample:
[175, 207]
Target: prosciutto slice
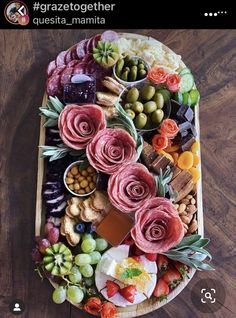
[110, 149]
[158, 226]
[79, 124]
[130, 186]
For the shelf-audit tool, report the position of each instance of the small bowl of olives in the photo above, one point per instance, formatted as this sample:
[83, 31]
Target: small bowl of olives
[130, 70]
[146, 105]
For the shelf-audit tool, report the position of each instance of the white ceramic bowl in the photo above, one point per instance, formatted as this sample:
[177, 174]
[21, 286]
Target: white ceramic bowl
[126, 83]
[75, 163]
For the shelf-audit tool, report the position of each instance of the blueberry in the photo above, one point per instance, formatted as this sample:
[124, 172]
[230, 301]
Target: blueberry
[90, 228]
[80, 228]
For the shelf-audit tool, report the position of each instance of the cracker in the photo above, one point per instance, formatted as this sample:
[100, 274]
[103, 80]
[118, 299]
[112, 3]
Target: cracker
[68, 213]
[74, 210]
[62, 228]
[100, 200]
[88, 213]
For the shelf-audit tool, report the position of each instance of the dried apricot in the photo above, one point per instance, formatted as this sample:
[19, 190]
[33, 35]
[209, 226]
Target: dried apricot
[195, 147]
[173, 148]
[185, 160]
[195, 174]
[196, 160]
[175, 156]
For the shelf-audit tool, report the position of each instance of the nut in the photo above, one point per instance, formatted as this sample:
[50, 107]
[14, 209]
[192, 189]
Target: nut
[193, 227]
[193, 201]
[185, 219]
[189, 196]
[176, 206]
[191, 209]
[185, 201]
[69, 180]
[182, 208]
[74, 170]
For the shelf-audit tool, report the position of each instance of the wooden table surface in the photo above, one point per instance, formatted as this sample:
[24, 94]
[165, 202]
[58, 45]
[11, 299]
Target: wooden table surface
[25, 54]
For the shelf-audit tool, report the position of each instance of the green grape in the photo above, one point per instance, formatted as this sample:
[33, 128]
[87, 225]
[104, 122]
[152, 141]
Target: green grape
[95, 257]
[82, 259]
[86, 236]
[59, 295]
[101, 244]
[88, 245]
[75, 294]
[86, 270]
[75, 276]
[89, 281]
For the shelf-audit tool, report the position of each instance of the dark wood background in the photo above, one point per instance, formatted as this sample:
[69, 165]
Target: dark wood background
[24, 55]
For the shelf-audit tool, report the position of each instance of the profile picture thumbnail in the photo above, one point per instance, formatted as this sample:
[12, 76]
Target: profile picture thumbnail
[16, 12]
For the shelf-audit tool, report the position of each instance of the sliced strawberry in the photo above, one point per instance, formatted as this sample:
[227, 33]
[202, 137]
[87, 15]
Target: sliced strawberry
[151, 256]
[162, 263]
[182, 268]
[128, 293]
[172, 277]
[112, 288]
[161, 290]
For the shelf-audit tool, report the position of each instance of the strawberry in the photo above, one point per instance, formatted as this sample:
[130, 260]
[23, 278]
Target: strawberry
[182, 268]
[162, 263]
[172, 277]
[128, 293]
[161, 290]
[112, 288]
[151, 256]
[137, 251]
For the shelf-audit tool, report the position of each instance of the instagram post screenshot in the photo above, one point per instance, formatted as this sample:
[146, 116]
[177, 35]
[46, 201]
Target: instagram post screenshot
[117, 162]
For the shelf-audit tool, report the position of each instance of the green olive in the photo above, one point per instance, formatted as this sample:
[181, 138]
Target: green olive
[165, 93]
[149, 122]
[132, 95]
[130, 113]
[147, 92]
[140, 120]
[137, 107]
[141, 66]
[150, 107]
[159, 100]
[157, 116]
[132, 62]
[128, 106]
[142, 74]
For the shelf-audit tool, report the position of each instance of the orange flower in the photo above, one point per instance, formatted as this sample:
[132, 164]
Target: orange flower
[93, 305]
[157, 75]
[108, 310]
[159, 142]
[169, 128]
[173, 82]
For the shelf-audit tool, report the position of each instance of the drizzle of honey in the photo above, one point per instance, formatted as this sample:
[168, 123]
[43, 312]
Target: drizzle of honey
[141, 282]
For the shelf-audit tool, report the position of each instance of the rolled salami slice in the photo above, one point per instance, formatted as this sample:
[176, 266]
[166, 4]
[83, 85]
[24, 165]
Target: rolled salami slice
[60, 60]
[66, 75]
[81, 49]
[53, 86]
[58, 70]
[51, 67]
[68, 56]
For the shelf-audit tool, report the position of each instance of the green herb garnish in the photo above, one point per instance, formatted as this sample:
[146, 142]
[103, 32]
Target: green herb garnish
[130, 273]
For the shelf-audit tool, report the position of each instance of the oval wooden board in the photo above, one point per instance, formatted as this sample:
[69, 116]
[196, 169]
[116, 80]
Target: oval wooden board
[150, 304]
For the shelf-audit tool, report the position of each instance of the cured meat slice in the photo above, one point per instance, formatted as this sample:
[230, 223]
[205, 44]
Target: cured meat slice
[110, 149]
[53, 86]
[87, 58]
[66, 75]
[81, 49]
[78, 125]
[130, 187]
[158, 226]
[96, 38]
[58, 70]
[80, 68]
[72, 63]
[74, 53]
[89, 46]
[60, 60]
[51, 67]
[68, 57]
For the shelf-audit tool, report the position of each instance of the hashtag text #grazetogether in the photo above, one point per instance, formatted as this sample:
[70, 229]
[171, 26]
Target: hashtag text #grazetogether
[73, 21]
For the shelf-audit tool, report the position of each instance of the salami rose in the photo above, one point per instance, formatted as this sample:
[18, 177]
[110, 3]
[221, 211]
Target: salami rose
[130, 186]
[110, 149]
[173, 82]
[79, 124]
[158, 226]
[169, 128]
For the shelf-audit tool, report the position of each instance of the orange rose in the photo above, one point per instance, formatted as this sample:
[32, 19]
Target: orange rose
[159, 142]
[157, 75]
[169, 128]
[173, 82]
[108, 310]
[93, 305]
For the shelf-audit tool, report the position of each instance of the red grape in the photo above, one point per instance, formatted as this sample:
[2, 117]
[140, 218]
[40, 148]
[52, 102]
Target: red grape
[48, 226]
[53, 235]
[43, 245]
[36, 256]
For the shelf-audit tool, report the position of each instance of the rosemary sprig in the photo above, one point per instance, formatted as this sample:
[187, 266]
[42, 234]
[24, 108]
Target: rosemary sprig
[60, 151]
[190, 251]
[51, 111]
